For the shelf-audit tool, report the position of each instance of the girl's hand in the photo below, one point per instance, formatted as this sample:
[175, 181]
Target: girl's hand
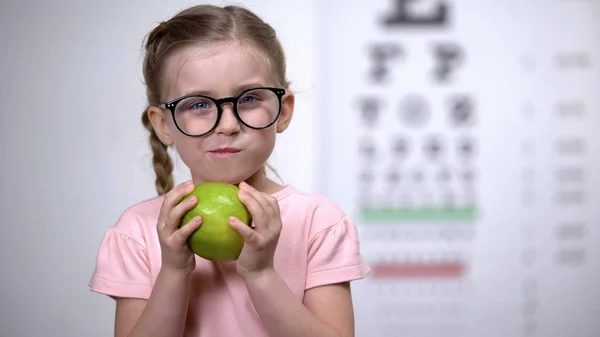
[260, 240]
[175, 251]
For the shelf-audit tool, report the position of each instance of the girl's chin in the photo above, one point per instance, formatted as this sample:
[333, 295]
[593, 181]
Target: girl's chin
[224, 177]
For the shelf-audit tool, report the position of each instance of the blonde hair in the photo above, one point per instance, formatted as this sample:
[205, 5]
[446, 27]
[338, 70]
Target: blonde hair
[200, 25]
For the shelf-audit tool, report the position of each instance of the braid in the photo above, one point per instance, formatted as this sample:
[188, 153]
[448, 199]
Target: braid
[163, 165]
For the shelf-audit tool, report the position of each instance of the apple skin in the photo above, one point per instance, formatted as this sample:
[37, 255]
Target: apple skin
[216, 240]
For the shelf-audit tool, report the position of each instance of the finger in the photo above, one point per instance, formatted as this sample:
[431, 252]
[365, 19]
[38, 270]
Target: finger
[188, 229]
[174, 196]
[258, 196]
[171, 199]
[250, 236]
[177, 213]
[272, 202]
[258, 213]
[268, 203]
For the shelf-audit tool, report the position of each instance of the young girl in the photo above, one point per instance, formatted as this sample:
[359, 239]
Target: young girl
[217, 92]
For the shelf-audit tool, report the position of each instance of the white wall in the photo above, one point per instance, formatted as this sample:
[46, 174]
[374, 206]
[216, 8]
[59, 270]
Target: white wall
[74, 154]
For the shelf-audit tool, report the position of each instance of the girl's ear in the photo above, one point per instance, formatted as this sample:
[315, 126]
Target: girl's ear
[160, 125]
[287, 111]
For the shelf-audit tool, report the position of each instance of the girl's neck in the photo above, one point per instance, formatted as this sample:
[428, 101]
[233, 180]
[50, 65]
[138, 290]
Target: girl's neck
[262, 183]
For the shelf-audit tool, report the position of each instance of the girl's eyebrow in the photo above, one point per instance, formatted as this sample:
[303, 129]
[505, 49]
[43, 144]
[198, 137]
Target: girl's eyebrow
[249, 86]
[237, 90]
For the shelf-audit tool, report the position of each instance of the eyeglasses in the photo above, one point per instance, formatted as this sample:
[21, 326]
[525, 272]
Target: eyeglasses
[198, 115]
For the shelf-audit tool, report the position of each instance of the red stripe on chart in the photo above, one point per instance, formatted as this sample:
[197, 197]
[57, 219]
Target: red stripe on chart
[408, 270]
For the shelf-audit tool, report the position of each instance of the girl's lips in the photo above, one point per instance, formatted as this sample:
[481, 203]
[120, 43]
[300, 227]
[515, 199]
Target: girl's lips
[224, 151]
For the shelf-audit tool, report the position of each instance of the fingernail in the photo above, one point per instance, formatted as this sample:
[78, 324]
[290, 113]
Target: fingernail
[192, 199]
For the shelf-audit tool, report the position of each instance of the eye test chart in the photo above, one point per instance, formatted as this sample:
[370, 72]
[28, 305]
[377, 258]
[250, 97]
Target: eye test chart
[464, 139]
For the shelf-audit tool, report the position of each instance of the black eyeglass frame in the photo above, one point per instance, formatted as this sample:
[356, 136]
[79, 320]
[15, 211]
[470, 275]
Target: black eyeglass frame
[279, 92]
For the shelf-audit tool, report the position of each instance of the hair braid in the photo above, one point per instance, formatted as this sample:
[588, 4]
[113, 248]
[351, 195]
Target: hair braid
[161, 161]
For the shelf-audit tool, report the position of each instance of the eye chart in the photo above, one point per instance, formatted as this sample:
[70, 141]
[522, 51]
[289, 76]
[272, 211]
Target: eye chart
[464, 138]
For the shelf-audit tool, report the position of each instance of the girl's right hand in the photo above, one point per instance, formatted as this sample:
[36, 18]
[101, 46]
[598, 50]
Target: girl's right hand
[175, 251]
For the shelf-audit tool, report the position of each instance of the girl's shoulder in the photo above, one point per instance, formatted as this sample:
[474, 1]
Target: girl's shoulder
[310, 201]
[324, 233]
[139, 220]
[318, 209]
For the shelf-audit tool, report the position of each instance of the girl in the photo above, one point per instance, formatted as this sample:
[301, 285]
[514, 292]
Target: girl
[217, 92]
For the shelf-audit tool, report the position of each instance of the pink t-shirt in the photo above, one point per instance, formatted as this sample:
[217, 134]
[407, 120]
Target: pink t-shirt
[318, 245]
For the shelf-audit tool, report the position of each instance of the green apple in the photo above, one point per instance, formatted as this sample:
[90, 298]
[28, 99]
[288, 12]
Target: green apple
[216, 240]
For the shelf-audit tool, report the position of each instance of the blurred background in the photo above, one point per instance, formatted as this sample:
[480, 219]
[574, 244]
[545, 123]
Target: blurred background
[461, 135]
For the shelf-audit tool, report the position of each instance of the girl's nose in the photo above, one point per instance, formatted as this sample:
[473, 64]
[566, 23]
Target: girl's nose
[228, 125]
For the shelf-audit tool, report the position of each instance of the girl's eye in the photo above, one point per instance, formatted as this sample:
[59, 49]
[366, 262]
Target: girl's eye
[200, 105]
[248, 99]
[196, 104]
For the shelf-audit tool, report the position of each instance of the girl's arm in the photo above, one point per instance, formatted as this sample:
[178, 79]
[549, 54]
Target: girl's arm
[326, 312]
[166, 310]
[164, 313]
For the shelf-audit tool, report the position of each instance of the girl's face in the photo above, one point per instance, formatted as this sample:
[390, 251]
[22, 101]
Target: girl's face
[232, 152]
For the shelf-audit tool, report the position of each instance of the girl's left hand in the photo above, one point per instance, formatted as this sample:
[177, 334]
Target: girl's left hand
[260, 240]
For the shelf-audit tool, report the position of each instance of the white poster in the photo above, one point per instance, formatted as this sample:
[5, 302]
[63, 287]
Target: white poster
[463, 137]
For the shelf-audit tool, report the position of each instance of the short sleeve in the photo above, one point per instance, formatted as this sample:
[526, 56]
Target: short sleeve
[122, 267]
[334, 255]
